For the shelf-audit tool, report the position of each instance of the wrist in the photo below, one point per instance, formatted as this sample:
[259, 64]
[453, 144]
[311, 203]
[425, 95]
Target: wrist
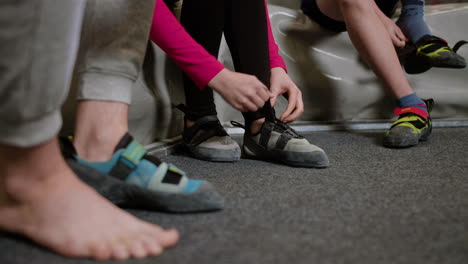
[277, 70]
[219, 79]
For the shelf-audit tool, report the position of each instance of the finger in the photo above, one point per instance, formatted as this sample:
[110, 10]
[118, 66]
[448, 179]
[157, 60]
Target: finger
[264, 93]
[397, 42]
[286, 116]
[401, 35]
[274, 93]
[242, 108]
[291, 104]
[250, 106]
[257, 100]
[298, 111]
[239, 106]
[273, 100]
[274, 97]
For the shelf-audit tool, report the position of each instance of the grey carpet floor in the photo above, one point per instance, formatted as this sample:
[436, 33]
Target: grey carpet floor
[373, 205]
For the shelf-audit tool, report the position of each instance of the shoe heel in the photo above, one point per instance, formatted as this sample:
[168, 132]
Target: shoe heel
[245, 154]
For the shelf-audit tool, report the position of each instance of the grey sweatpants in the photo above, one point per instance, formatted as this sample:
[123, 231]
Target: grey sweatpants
[113, 46]
[38, 44]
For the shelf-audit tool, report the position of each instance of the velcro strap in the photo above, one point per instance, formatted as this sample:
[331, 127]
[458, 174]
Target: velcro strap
[211, 127]
[436, 39]
[415, 110]
[204, 121]
[265, 134]
[128, 160]
[283, 141]
[459, 44]
[414, 120]
[431, 39]
[166, 173]
[173, 175]
[121, 170]
[133, 153]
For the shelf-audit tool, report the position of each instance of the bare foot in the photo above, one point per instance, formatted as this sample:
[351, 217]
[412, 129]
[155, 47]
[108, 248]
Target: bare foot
[56, 210]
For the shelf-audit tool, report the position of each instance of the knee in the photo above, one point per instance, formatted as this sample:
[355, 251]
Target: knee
[361, 5]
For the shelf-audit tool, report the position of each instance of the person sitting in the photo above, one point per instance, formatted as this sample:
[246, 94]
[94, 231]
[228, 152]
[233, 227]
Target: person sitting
[41, 197]
[375, 35]
[246, 26]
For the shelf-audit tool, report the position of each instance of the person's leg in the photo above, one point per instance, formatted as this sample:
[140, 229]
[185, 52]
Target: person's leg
[45, 201]
[204, 135]
[247, 36]
[204, 21]
[372, 41]
[427, 50]
[411, 20]
[265, 137]
[113, 51]
[41, 197]
[112, 48]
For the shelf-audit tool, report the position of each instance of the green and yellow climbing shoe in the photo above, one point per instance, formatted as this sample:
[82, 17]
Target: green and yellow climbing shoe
[431, 51]
[413, 125]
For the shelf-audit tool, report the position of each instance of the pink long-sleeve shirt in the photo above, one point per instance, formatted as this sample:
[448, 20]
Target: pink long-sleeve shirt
[191, 57]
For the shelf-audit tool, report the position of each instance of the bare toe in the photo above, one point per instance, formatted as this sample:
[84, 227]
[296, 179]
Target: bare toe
[152, 245]
[120, 251]
[169, 238]
[137, 248]
[166, 238]
[100, 251]
[73, 220]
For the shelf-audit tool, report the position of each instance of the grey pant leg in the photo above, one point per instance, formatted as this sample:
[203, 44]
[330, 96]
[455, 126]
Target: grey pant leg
[38, 44]
[114, 40]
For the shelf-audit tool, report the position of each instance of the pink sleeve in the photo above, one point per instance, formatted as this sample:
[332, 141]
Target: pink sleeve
[275, 59]
[191, 57]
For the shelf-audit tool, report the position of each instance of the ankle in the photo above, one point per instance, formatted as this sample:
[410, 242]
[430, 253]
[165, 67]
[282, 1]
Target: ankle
[25, 172]
[256, 125]
[16, 188]
[98, 145]
[411, 100]
[99, 127]
[189, 123]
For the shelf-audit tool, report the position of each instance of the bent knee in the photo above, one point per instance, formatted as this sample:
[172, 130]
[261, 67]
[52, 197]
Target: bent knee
[355, 4]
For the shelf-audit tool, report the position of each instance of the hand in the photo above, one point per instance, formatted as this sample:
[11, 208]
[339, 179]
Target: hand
[398, 38]
[244, 92]
[281, 84]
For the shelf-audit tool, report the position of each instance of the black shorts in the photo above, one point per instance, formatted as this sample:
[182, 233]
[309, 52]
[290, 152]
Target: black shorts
[310, 8]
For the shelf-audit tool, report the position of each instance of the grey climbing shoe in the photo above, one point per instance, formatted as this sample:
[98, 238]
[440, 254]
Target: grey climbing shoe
[278, 142]
[207, 140]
